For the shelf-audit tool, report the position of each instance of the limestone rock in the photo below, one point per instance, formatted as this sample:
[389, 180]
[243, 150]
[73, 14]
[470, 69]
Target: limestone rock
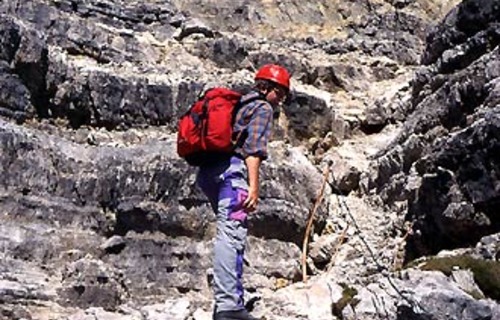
[99, 219]
[458, 111]
[88, 282]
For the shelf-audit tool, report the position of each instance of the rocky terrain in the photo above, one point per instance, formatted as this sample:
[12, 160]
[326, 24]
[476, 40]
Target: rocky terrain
[100, 219]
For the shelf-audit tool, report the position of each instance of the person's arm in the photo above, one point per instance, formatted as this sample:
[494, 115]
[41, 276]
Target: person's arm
[253, 166]
[255, 151]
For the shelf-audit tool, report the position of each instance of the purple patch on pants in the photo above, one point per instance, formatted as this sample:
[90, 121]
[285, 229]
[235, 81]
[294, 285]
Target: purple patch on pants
[237, 212]
[236, 197]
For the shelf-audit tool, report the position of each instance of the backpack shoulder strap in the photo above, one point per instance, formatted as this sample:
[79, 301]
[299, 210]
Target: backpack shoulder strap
[251, 97]
[246, 99]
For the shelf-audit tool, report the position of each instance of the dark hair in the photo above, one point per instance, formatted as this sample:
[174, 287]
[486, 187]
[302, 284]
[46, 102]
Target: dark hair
[263, 85]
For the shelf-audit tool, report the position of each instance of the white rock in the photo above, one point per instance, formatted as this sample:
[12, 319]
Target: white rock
[201, 314]
[312, 300]
[171, 309]
[465, 280]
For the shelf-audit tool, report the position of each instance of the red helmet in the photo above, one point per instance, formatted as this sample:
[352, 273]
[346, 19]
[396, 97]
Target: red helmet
[275, 74]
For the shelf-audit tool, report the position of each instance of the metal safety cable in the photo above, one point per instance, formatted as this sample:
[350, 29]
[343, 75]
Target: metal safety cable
[415, 305]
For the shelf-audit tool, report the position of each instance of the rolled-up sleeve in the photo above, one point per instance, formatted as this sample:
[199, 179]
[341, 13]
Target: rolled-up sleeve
[259, 131]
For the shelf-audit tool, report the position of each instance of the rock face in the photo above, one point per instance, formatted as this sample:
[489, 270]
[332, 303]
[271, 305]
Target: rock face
[24, 62]
[111, 65]
[445, 163]
[118, 191]
[99, 218]
[426, 302]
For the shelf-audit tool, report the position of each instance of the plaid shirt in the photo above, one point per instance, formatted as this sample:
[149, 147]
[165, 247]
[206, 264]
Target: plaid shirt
[252, 128]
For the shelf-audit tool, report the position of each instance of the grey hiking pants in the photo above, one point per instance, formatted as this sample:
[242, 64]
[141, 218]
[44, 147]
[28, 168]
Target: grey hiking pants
[226, 187]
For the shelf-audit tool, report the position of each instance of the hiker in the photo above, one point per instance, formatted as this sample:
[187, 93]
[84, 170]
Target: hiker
[232, 186]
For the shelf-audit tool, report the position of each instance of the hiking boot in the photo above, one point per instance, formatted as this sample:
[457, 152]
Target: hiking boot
[233, 315]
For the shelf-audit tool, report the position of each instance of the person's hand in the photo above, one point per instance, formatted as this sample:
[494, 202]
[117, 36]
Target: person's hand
[253, 165]
[250, 203]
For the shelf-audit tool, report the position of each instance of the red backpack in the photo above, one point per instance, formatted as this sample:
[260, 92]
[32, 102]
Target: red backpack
[205, 131]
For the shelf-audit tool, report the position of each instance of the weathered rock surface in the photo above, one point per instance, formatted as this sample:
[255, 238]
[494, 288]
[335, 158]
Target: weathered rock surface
[100, 73]
[142, 188]
[53, 186]
[23, 65]
[419, 295]
[99, 219]
[444, 163]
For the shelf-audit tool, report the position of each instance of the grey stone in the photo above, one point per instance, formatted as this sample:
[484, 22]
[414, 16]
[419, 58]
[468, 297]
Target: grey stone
[432, 291]
[449, 206]
[465, 280]
[98, 213]
[115, 244]
[88, 282]
[193, 26]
